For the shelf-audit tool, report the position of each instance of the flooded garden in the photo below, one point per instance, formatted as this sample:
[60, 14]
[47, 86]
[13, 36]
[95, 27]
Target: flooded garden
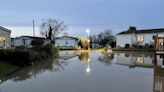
[88, 72]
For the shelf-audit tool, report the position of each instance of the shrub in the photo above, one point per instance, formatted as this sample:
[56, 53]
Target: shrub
[151, 46]
[84, 43]
[27, 56]
[20, 57]
[76, 47]
[50, 50]
[127, 45]
[37, 43]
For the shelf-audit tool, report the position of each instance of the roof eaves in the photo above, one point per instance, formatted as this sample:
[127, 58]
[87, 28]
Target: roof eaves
[5, 29]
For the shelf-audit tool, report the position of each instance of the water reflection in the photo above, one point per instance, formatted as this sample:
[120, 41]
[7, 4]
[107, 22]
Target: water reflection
[146, 61]
[135, 59]
[66, 55]
[87, 72]
[106, 58]
[38, 68]
[84, 57]
[158, 83]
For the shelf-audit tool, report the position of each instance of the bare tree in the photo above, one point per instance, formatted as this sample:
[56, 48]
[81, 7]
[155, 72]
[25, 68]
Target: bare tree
[106, 37]
[50, 28]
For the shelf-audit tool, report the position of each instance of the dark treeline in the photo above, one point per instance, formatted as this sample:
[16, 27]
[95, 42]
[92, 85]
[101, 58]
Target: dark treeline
[104, 38]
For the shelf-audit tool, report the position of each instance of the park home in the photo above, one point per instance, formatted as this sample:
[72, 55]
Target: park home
[5, 40]
[138, 37]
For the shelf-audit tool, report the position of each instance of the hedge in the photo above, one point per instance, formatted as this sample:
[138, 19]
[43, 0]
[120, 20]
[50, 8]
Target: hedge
[28, 56]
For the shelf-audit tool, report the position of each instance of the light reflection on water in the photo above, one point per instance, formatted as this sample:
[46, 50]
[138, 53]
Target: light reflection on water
[89, 72]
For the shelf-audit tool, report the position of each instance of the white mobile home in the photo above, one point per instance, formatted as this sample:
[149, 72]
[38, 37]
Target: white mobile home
[5, 40]
[25, 41]
[66, 42]
[138, 37]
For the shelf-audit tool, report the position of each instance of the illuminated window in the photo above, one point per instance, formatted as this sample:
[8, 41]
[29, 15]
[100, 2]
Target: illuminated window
[2, 38]
[139, 38]
[140, 60]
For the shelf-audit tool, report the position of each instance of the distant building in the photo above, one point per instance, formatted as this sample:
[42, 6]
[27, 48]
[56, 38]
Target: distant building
[5, 40]
[66, 42]
[137, 37]
[25, 41]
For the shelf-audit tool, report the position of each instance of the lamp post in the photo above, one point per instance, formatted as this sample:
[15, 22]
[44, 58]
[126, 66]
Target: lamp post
[88, 32]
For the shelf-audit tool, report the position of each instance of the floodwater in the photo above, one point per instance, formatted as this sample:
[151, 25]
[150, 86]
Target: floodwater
[90, 72]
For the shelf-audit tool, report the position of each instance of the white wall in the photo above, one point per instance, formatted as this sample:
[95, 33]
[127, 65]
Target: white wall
[62, 42]
[17, 42]
[7, 39]
[148, 38]
[121, 40]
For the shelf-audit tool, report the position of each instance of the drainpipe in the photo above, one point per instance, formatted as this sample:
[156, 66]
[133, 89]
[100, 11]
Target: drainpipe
[4, 44]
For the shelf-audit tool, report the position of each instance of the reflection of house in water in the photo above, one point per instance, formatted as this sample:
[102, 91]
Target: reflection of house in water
[67, 54]
[135, 60]
[106, 58]
[158, 84]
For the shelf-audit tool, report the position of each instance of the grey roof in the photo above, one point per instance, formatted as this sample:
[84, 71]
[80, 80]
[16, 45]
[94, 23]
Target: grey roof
[5, 29]
[32, 37]
[160, 30]
[67, 37]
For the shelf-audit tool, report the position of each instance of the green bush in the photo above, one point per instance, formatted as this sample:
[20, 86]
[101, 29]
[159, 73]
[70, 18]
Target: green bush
[20, 57]
[151, 46]
[50, 50]
[28, 56]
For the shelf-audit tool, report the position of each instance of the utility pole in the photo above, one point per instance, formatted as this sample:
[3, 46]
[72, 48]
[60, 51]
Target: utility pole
[33, 27]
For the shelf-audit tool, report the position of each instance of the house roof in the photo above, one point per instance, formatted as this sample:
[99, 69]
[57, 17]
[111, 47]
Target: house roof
[66, 37]
[5, 29]
[160, 30]
[32, 37]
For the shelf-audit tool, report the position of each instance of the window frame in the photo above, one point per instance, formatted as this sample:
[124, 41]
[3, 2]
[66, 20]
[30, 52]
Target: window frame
[138, 38]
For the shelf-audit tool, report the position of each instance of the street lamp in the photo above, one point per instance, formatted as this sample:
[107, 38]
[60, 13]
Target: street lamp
[88, 32]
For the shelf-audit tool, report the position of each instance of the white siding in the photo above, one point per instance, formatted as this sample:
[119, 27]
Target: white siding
[7, 42]
[26, 41]
[148, 38]
[66, 42]
[121, 40]
[22, 41]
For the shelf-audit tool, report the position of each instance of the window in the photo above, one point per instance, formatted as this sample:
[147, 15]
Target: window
[139, 38]
[140, 60]
[2, 38]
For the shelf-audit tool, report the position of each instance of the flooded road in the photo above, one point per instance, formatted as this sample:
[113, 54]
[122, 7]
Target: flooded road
[89, 72]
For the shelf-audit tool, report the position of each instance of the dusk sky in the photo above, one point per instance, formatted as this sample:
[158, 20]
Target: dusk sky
[97, 15]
